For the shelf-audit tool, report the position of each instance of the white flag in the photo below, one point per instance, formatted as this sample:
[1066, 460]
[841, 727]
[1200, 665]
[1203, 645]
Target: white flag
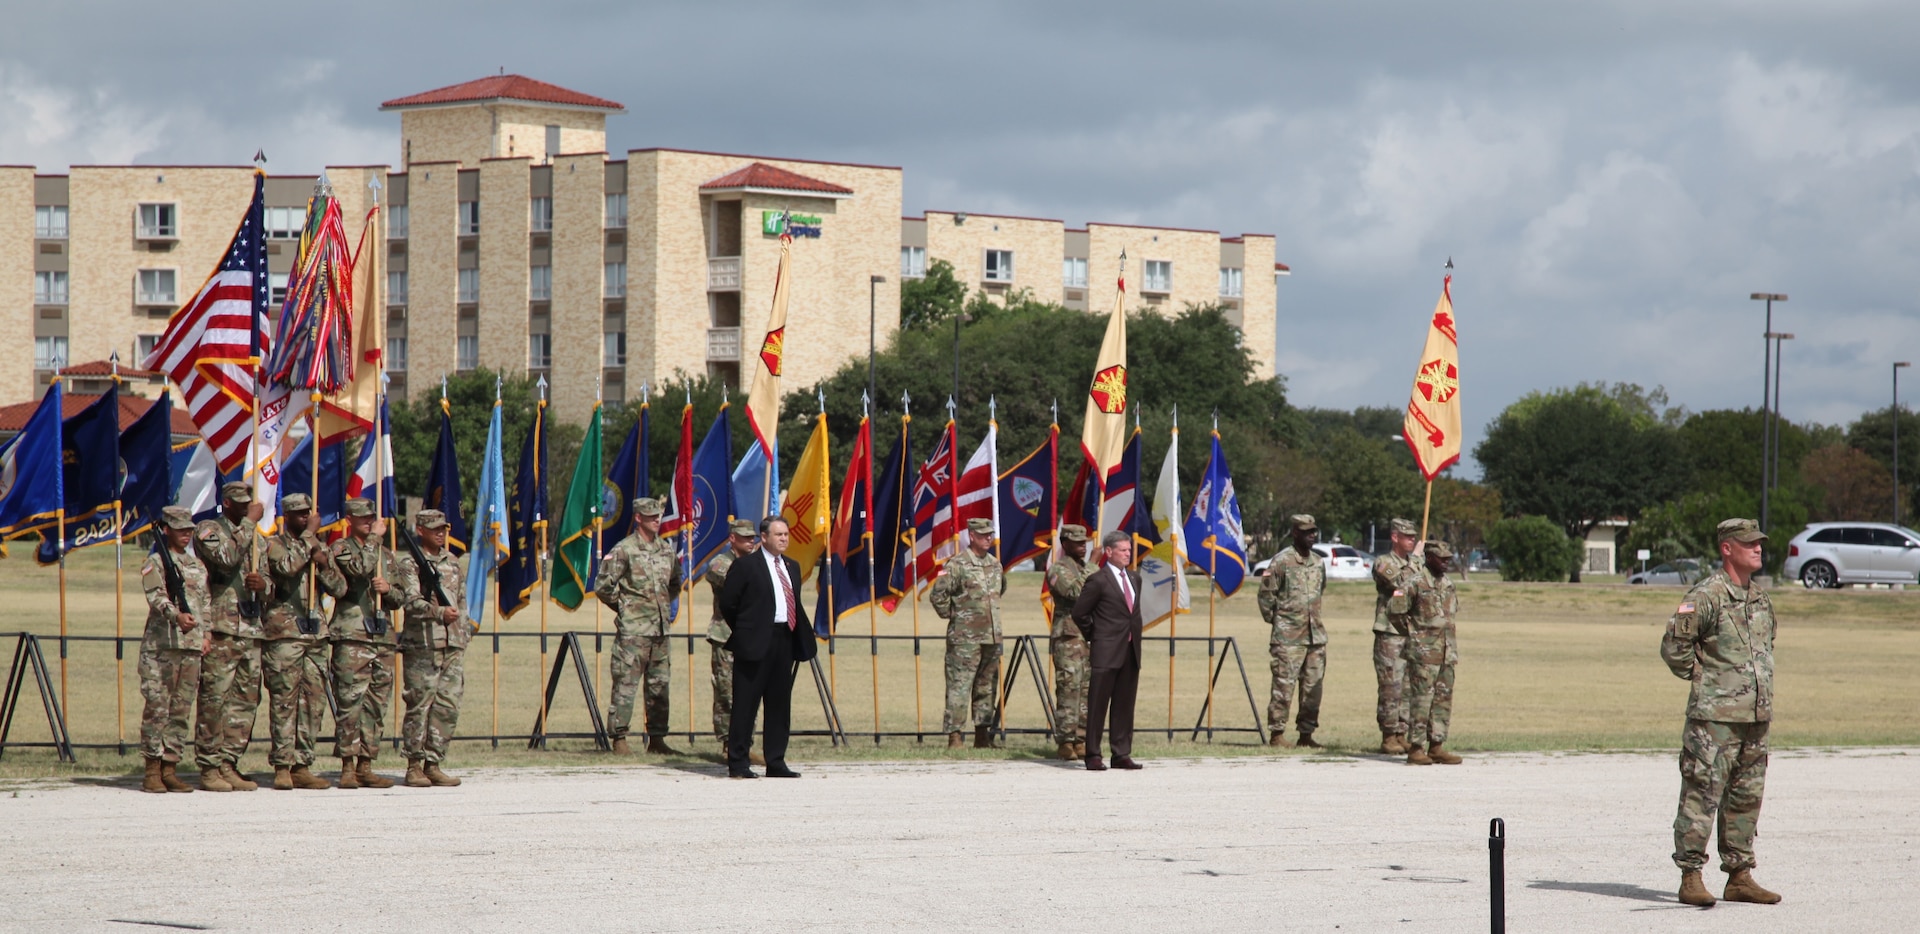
[1163, 586]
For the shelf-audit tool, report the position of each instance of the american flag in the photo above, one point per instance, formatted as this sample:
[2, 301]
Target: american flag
[214, 342]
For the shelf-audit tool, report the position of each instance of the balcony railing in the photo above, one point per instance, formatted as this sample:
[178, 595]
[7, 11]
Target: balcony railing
[723, 273]
[723, 343]
[144, 297]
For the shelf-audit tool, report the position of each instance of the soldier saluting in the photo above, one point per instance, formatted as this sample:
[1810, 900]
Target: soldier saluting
[170, 649]
[295, 655]
[1072, 670]
[229, 546]
[967, 595]
[363, 640]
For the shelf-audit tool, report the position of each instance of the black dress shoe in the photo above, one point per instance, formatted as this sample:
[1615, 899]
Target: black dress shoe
[742, 773]
[780, 770]
[1096, 764]
[1126, 762]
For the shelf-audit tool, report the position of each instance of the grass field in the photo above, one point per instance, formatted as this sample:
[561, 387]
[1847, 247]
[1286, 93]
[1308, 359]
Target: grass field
[1543, 667]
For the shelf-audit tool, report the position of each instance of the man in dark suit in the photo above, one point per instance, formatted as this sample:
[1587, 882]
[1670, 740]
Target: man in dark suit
[1108, 614]
[771, 634]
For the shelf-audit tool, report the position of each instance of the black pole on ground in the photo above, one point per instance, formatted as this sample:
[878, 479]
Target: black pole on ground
[1497, 872]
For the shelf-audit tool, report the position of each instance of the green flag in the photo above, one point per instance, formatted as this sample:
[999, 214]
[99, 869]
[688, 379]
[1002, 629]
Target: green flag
[575, 559]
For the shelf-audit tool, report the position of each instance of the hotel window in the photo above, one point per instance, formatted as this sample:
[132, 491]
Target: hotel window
[143, 345]
[397, 287]
[159, 221]
[469, 218]
[1230, 282]
[156, 287]
[397, 354]
[50, 288]
[541, 218]
[469, 285]
[1073, 272]
[999, 266]
[616, 211]
[553, 141]
[397, 222]
[1159, 276]
[285, 223]
[50, 221]
[616, 280]
[277, 288]
[913, 262]
[467, 347]
[49, 353]
[540, 283]
[539, 351]
[614, 348]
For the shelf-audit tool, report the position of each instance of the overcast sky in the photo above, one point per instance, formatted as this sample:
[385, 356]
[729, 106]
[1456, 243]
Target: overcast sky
[1611, 179]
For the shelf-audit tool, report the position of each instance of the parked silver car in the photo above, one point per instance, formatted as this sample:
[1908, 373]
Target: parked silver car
[1829, 554]
[1684, 571]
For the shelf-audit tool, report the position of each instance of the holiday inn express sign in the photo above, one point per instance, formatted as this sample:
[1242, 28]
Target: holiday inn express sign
[775, 223]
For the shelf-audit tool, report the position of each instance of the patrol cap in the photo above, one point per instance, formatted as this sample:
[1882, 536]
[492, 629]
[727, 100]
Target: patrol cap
[430, 519]
[176, 517]
[1744, 531]
[1073, 533]
[1404, 527]
[359, 506]
[1303, 523]
[648, 506]
[1439, 549]
[236, 491]
[980, 526]
[744, 528]
[296, 502]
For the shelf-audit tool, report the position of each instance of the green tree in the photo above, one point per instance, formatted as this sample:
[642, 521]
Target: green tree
[470, 395]
[1534, 548]
[931, 299]
[1872, 434]
[1365, 485]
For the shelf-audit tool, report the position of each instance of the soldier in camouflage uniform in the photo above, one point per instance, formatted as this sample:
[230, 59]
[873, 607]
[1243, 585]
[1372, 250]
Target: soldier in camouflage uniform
[363, 640]
[433, 645]
[741, 541]
[170, 651]
[1432, 650]
[1290, 594]
[295, 654]
[230, 547]
[1721, 639]
[967, 595]
[1394, 575]
[1071, 667]
[638, 581]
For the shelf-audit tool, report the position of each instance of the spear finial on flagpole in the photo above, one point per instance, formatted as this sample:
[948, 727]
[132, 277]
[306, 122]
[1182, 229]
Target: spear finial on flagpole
[953, 410]
[821, 395]
[723, 393]
[113, 361]
[373, 184]
[1055, 408]
[993, 409]
[443, 387]
[1136, 416]
[865, 403]
[906, 403]
[1216, 421]
[259, 157]
[496, 387]
[646, 391]
[598, 390]
[1449, 265]
[1176, 416]
[542, 384]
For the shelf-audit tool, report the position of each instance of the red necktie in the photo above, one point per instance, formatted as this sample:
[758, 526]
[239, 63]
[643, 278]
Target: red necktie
[1126, 589]
[786, 591]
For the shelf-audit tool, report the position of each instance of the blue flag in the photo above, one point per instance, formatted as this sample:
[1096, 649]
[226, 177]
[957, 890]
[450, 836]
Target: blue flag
[443, 483]
[296, 476]
[146, 455]
[1028, 504]
[1125, 507]
[1212, 530]
[713, 503]
[629, 480]
[90, 456]
[489, 522]
[526, 518]
[31, 479]
[756, 484]
[893, 515]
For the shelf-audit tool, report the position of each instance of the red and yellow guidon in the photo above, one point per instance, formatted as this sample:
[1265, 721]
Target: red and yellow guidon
[1110, 389]
[1438, 381]
[772, 349]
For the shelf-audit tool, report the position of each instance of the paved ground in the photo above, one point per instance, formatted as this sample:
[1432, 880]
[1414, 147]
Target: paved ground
[1196, 845]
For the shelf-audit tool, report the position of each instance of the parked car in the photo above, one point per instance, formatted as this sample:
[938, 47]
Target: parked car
[1343, 562]
[1479, 560]
[1829, 554]
[1685, 571]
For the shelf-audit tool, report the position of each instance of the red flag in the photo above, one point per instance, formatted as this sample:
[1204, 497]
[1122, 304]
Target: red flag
[680, 501]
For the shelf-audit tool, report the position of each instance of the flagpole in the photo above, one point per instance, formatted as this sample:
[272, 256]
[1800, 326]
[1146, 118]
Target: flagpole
[1180, 570]
[873, 583]
[599, 399]
[1426, 511]
[60, 547]
[913, 582]
[833, 610]
[540, 559]
[119, 598]
[1213, 587]
[491, 546]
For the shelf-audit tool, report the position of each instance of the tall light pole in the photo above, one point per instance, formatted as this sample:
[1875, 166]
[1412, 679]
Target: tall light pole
[1773, 466]
[1896, 439]
[1766, 390]
[873, 301]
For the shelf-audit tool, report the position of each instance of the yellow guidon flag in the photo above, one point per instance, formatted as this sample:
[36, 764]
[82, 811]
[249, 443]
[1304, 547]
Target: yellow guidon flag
[1104, 435]
[808, 503]
[1432, 425]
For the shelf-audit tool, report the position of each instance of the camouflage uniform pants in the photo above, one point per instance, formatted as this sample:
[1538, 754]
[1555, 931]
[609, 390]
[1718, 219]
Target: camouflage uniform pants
[169, 679]
[1390, 673]
[1301, 668]
[296, 698]
[972, 668]
[362, 682]
[229, 698]
[1072, 671]
[722, 691]
[1430, 664]
[1723, 773]
[432, 682]
[635, 657]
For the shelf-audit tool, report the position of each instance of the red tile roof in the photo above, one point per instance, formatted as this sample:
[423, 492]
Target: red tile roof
[759, 175]
[1282, 267]
[503, 87]
[105, 368]
[13, 418]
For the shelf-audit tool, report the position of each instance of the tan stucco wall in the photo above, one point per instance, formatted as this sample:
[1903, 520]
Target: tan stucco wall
[505, 218]
[1258, 318]
[1038, 246]
[469, 134]
[433, 192]
[579, 201]
[17, 311]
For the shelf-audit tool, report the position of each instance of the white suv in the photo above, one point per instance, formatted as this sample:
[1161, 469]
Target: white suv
[1829, 554]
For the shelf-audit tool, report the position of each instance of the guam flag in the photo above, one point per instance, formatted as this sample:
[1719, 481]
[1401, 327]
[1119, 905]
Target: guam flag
[1028, 504]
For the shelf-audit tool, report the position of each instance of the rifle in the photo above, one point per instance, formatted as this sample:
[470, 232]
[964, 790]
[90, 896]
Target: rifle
[170, 572]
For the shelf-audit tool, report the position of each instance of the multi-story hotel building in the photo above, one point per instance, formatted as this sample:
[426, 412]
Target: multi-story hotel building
[512, 240]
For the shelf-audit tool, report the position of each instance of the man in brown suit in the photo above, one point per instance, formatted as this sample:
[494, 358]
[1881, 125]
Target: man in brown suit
[1108, 614]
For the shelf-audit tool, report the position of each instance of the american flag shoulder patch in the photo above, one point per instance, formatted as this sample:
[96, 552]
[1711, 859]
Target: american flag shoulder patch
[1686, 607]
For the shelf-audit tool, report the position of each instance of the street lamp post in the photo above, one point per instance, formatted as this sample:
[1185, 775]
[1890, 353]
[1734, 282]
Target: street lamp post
[1896, 439]
[1773, 466]
[1766, 390]
[873, 300]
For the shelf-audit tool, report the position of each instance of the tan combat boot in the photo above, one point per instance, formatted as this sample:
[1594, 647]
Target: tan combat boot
[1442, 756]
[152, 783]
[347, 777]
[282, 778]
[954, 741]
[238, 781]
[438, 778]
[983, 737]
[304, 778]
[1066, 752]
[1692, 892]
[172, 780]
[1306, 742]
[1393, 744]
[416, 775]
[363, 770]
[212, 780]
[1742, 888]
[1279, 740]
[658, 746]
[1417, 756]
[620, 747]
[1080, 750]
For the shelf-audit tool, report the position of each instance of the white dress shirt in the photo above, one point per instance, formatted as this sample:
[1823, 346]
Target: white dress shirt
[777, 569]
